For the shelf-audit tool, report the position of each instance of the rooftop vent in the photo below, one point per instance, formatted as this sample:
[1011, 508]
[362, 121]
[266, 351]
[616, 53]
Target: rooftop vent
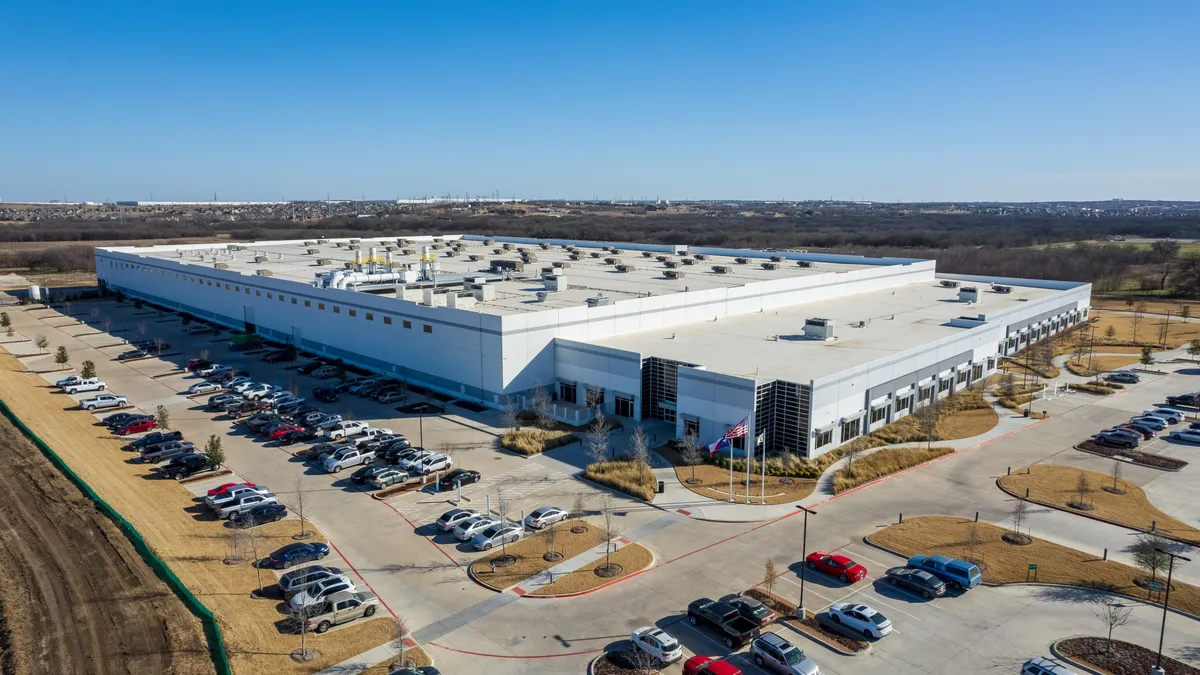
[353, 247]
[720, 269]
[777, 258]
[322, 241]
[356, 241]
[522, 249]
[673, 274]
[969, 294]
[948, 283]
[625, 268]
[996, 288]
[599, 301]
[545, 246]
[323, 261]
[392, 248]
[313, 251]
[514, 265]
[541, 296]
[487, 242]
[260, 258]
[221, 266]
[559, 263]
[662, 258]
[615, 251]
[576, 256]
[498, 251]
[700, 256]
[310, 243]
[407, 251]
[687, 261]
[595, 254]
[804, 263]
[265, 273]
[475, 258]
[741, 261]
[349, 265]
[612, 261]
[770, 266]
[817, 328]
[647, 254]
[671, 263]
[507, 247]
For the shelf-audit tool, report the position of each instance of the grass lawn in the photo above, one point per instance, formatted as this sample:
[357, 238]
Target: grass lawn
[1004, 563]
[1056, 485]
[713, 482]
[1102, 364]
[967, 423]
[1178, 332]
[529, 553]
[631, 558]
[884, 463]
[633, 479]
[1152, 306]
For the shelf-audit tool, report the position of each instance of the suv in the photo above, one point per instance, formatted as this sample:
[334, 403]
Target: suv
[85, 384]
[167, 450]
[959, 574]
[325, 372]
[182, 466]
[103, 401]
[775, 654]
[297, 580]
[1040, 665]
[1119, 438]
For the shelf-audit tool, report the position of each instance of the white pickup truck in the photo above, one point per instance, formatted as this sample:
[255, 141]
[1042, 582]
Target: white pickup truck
[346, 429]
[103, 401]
[347, 457]
[85, 384]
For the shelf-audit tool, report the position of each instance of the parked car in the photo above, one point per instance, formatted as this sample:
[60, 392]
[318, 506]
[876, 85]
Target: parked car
[775, 654]
[1142, 430]
[69, 381]
[203, 388]
[1190, 400]
[1040, 665]
[257, 515]
[329, 421]
[960, 575]
[86, 384]
[364, 474]
[131, 355]
[346, 429]
[752, 609]
[392, 397]
[308, 368]
[1155, 423]
[707, 665]
[1119, 438]
[211, 369]
[166, 451]
[198, 363]
[259, 391]
[371, 434]
[136, 426]
[1185, 435]
[835, 565]
[496, 535]
[279, 356]
[466, 530]
[343, 607]
[154, 438]
[245, 503]
[347, 457]
[325, 372]
[226, 487]
[123, 418]
[239, 410]
[1123, 376]
[658, 644]
[545, 516]
[862, 618]
[389, 476]
[317, 453]
[397, 453]
[284, 429]
[297, 436]
[182, 466]
[1171, 416]
[294, 554]
[217, 502]
[219, 401]
[103, 401]
[457, 478]
[722, 618]
[319, 591]
[430, 464]
[918, 581]
[198, 328]
[297, 580]
[451, 519]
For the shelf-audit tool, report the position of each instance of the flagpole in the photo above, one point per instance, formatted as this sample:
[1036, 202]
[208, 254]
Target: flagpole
[730, 443]
[750, 443]
[762, 488]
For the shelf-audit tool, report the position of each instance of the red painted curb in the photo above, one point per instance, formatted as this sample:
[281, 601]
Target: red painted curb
[360, 576]
[512, 656]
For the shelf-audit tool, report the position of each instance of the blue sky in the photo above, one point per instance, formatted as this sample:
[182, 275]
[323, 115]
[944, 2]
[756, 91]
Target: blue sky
[910, 100]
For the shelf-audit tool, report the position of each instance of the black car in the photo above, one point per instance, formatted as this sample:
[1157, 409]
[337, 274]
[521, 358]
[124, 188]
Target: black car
[396, 454]
[293, 554]
[131, 354]
[298, 436]
[1146, 432]
[419, 670]
[326, 394]
[309, 367]
[182, 466]
[124, 419]
[366, 472]
[154, 438]
[920, 581]
[277, 357]
[457, 477]
[266, 513]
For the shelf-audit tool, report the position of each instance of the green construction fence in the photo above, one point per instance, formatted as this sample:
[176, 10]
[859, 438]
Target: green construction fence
[212, 632]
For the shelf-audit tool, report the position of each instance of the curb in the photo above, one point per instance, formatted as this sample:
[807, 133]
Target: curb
[1077, 665]
[653, 562]
[591, 669]
[205, 476]
[1056, 507]
[472, 577]
[1148, 466]
[831, 646]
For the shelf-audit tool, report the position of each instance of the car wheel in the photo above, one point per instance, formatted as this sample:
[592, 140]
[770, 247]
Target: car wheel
[836, 618]
[892, 581]
[487, 546]
[729, 642]
[322, 554]
[956, 587]
[180, 476]
[287, 564]
[101, 387]
[867, 632]
[277, 519]
[927, 595]
[322, 627]
[844, 579]
[811, 565]
[758, 661]
[691, 619]
[370, 611]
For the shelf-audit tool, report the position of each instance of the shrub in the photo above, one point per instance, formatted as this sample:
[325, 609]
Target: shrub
[1091, 388]
[801, 469]
[1018, 390]
[1015, 402]
[632, 478]
[534, 441]
[883, 463]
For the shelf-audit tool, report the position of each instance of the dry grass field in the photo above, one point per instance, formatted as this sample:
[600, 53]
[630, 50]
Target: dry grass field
[1178, 332]
[627, 476]
[631, 558]
[883, 463]
[713, 482]
[529, 552]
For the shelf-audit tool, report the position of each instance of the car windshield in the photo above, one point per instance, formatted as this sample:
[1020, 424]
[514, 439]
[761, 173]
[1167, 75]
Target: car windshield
[491, 531]
[878, 619]
[793, 657]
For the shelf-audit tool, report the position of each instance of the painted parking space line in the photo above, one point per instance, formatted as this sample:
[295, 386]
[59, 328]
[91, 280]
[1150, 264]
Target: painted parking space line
[853, 553]
[808, 589]
[871, 585]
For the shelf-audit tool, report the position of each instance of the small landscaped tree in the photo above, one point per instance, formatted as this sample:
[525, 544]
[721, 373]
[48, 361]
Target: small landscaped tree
[1193, 349]
[141, 328]
[691, 454]
[41, 343]
[974, 542]
[769, 575]
[611, 532]
[542, 408]
[299, 617]
[1110, 332]
[927, 422]
[61, 357]
[399, 644]
[216, 454]
[1082, 487]
[162, 417]
[5, 321]
[204, 354]
[87, 369]
[107, 321]
[509, 415]
[596, 440]
[639, 445]
[578, 511]
[1019, 511]
[300, 504]
[1112, 615]
[8, 332]
[1185, 312]
[1117, 468]
[550, 535]
[1138, 310]
[1148, 554]
[159, 345]
[1147, 357]
[94, 313]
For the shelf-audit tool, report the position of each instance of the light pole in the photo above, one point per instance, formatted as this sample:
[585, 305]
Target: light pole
[1158, 669]
[803, 560]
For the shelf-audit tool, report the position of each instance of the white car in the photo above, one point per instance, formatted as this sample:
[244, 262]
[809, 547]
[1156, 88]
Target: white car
[346, 429]
[88, 384]
[1171, 416]
[659, 644]
[430, 465]
[103, 401]
[211, 369]
[1186, 435]
[862, 618]
[204, 388]
[244, 385]
[259, 391]
[496, 535]
[237, 380]
[466, 530]
[411, 462]
[319, 591]
[245, 503]
[544, 516]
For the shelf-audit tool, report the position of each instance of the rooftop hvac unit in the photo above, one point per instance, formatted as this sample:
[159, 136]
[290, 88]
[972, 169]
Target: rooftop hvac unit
[614, 250]
[647, 254]
[599, 301]
[514, 265]
[436, 247]
[968, 294]
[260, 258]
[625, 268]
[529, 258]
[673, 274]
[356, 241]
[720, 269]
[559, 263]
[804, 263]
[545, 246]
[392, 248]
[680, 249]
[777, 258]
[485, 292]
[595, 254]
[576, 256]
[948, 283]
[322, 241]
[554, 282]
[407, 251]
[612, 261]
[818, 328]
[671, 263]
[662, 258]
[323, 261]
[451, 254]
[349, 265]
[313, 251]
[475, 258]
[353, 247]
[700, 256]
[687, 261]
[221, 266]
[996, 288]
[265, 273]
[507, 247]
[541, 296]
[741, 261]
[487, 242]
[498, 251]
[310, 243]
[460, 300]
[521, 249]
[770, 266]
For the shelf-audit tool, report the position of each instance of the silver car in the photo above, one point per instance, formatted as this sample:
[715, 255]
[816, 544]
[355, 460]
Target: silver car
[298, 580]
[466, 531]
[777, 655]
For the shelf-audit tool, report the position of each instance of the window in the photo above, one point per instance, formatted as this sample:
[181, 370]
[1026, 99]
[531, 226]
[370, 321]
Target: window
[387, 320]
[307, 303]
[823, 438]
[370, 316]
[977, 372]
[269, 297]
[991, 364]
[428, 328]
[226, 286]
[353, 313]
[962, 376]
[320, 305]
[566, 392]
[237, 289]
[624, 407]
[904, 403]
[247, 290]
[210, 283]
[925, 394]
[878, 414]
[258, 293]
[691, 427]
[281, 297]
[337, 310]
[851, 429]
[294, 301]
[407, 324]
[943, 385]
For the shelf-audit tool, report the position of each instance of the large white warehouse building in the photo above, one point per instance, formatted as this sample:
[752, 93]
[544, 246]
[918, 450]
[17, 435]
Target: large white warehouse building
[812, 349]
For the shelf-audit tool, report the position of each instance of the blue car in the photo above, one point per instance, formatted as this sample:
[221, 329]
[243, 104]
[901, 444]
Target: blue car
[294, 554]
[958, 574]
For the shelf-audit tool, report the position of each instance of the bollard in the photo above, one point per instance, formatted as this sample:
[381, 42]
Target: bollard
[901, 517]
[1009, 471]
[1153, 525]
[1105, 554]
[1026, 493]
[977, 516]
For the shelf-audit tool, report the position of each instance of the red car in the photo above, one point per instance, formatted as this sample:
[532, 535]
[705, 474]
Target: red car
[707, 665]
[836, 566]
[222, 489]
[284, 430]
[196, 364]
[137, 427]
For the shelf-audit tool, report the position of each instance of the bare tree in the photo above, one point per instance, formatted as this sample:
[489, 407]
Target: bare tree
[1112, 615]
[1082, 487]
[691, 454]
[1148, 553]
[1185, 312]
[851, 453]
[639, 445]
[769, 576]
[237, 544]
[107, 321]
[1117, 469]
[159, 345]
[399, 644]
[1110, 332]
[974, 541]
[1163, 329]
[204, 354]
[596, 441]
[550, 534]
[256, 547]
[611, 528]
[141, 328]
[508, 415]
[927, 422]
[593, 398]
[1019, 511]
[641, 662]
[9, 332]
[1007, 381]
[94, 313]
[300, 503]
[579, 507]
[1164, 252]
[299, 617]
[542, 407]
[1138, 310]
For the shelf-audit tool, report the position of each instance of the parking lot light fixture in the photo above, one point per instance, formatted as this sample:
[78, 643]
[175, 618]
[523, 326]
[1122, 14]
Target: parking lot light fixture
[800, 613]
[1158, 669]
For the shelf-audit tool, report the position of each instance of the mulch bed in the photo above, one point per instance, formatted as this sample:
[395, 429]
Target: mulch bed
[617, 663]
[1134, 456]
[1122, 658]
[810, 624]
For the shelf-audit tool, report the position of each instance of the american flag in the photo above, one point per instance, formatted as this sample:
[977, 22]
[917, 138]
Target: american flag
[739, 430]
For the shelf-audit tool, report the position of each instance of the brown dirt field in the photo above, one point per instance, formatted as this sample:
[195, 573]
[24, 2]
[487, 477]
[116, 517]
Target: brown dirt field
[713, 483]
[631, 558]
[1018, 369]
[1004, 563]
[192, 542]
[77, 598]
[884, 462]
[967, 423]
[1178, 332]
[1056, 485]
[529, 555]
[1152, 306]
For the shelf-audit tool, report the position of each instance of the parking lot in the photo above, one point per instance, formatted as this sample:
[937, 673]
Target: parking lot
[387, 543]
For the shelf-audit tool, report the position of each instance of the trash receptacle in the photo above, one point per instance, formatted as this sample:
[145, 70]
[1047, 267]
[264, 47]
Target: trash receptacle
[662, 486]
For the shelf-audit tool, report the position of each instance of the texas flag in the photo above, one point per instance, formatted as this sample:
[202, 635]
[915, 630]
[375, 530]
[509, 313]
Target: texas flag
[725, 443]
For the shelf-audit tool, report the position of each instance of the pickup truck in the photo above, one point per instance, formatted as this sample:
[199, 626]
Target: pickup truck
[104, 401]
[85, 384]
[167, 450]
[245, 503]
[68, 381]
[347, 456]
[347, 429]
[182, 466]
[248, 408]
[155, 438]
[1190, 400]
[724, 619]
[342, 607]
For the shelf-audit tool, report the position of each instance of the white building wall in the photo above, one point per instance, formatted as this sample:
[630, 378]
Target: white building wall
[616, 371]
[716, 400]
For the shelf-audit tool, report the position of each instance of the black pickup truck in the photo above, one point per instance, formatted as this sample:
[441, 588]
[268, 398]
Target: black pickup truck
[724, 619]
[1189, 400]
